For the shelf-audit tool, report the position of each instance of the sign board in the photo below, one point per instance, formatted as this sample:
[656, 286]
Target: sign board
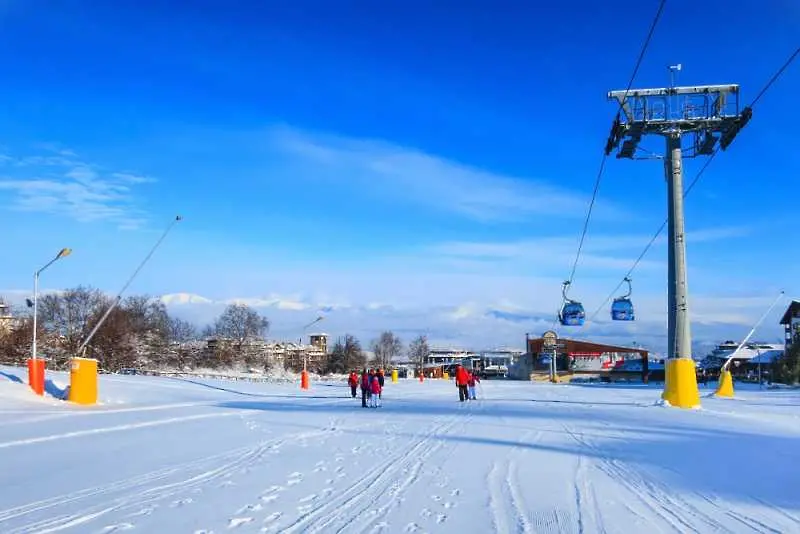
[550, 338]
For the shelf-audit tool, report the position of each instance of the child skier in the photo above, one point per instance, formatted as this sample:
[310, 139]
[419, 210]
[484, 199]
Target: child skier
[375, 399]
[473, 378]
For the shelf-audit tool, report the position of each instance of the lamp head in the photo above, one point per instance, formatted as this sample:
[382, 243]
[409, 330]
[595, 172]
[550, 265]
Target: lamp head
[64, 252]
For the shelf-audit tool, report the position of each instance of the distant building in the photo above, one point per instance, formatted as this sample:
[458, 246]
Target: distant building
[791, 323]
[578, 357]
[497, 362]
[6, 319]
[286, 354]
[320, 341]
[494, 362]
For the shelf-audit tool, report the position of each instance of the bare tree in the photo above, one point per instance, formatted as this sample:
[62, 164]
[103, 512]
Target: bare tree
[181, 331]
[386, 348]
[345, 356]
[241, 323]
[418, 351]
[69, 316]
[15, 344]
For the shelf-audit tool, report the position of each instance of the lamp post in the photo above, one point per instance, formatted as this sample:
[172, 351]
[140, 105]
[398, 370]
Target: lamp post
[36, 369]
[304, 374]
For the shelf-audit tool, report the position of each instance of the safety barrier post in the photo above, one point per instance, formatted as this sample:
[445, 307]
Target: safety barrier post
[725, 387]
[304, 379]
[36, 375]
[83, 381]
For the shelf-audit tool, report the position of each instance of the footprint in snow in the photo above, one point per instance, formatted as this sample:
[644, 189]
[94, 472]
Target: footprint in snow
[294, 478]
[436, 498]
[203, 531]
[117, 528]
[413, 527]
[269, 498]
[455, 492]
[308, 498]
[383, 525]
[239, 521]
[144, 511]
[441, 518]
[271, 518]
[449, 505]
[182, 502]
[304, 509]
[250, 508]
[426, 513]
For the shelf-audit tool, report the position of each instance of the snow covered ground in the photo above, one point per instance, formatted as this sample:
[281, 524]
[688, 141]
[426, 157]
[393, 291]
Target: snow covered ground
[169, 455]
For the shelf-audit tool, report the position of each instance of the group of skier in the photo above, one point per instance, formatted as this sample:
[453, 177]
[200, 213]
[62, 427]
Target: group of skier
[466, 381]
[371, 382]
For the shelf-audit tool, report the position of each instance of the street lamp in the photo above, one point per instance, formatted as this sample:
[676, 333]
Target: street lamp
[35, 367]
[304, 374]
[63, 253]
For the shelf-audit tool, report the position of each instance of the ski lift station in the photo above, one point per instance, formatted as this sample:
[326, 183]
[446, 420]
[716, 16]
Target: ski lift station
[583, 358]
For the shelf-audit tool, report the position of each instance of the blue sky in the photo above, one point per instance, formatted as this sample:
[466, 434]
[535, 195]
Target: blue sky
[433, 157]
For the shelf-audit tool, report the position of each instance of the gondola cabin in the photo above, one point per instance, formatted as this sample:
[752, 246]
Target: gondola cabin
[572, 314]
[622, 309]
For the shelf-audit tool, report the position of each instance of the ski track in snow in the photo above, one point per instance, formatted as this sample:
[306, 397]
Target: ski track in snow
[139, 492]
[505, 497]
[116, 428]
[667, 505]
[357, 501]
[407, 462]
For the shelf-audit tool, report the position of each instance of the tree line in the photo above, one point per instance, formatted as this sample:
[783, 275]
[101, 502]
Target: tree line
[140, 333]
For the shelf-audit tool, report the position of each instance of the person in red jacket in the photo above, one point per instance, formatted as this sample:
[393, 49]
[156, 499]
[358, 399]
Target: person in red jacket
[462, 380]
[473, 378]
[364, 388]
[375, 399]
[352, 381]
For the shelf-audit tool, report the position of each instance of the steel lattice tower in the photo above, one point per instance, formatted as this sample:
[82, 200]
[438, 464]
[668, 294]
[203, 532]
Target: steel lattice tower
[710, 115]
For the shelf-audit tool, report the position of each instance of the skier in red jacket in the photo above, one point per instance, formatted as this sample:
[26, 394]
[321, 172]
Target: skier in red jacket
[375, 399]
[352, 381]
[364, 388]
[473, 378]
[462, 380]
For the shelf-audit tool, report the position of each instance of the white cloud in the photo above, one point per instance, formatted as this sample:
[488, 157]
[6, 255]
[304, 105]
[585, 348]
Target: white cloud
[413, 176]
[615, 253]
[59, 182]
[486, 324]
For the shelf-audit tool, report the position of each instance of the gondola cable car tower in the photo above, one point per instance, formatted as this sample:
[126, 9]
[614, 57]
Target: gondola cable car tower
[711, 114]
[688, 190]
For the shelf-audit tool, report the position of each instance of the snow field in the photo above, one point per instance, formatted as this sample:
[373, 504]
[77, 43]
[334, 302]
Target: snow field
[200, 456]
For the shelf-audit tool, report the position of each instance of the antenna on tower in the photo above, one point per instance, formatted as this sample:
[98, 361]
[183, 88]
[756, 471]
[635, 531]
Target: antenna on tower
[672, 70]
